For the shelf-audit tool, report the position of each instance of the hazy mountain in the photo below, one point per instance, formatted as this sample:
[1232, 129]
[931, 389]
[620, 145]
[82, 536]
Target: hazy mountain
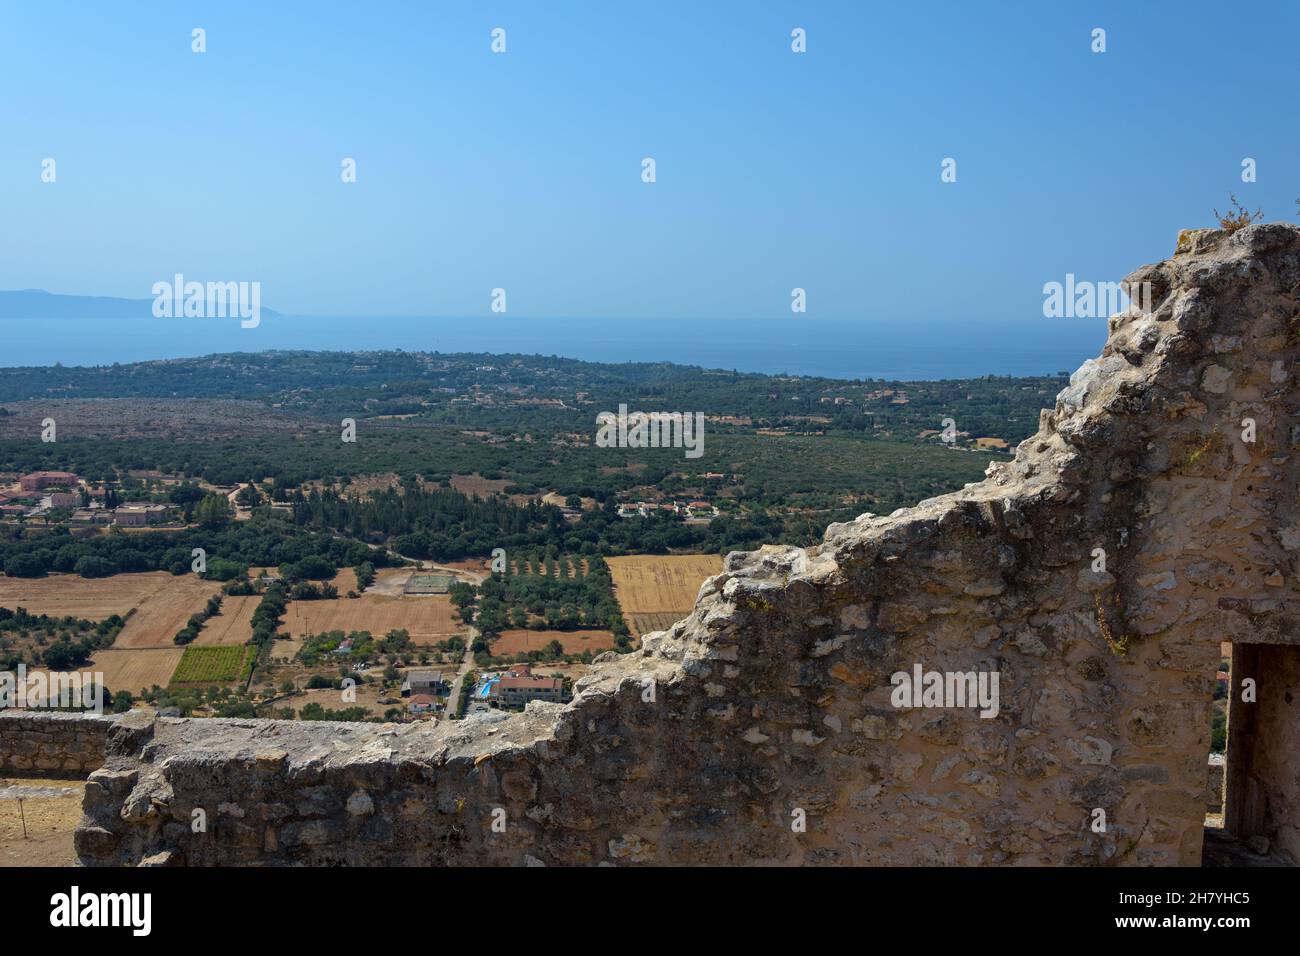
[39, 304]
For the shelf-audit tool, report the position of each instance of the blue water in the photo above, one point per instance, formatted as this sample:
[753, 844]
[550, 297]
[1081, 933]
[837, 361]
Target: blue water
[839, 349]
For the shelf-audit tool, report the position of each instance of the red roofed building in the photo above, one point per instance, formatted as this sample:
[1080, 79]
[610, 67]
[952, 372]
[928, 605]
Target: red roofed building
[422, 704]
[519, 686]
[43, 479]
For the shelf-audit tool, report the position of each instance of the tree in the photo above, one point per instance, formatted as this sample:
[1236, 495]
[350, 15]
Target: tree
[186, 496]
[32, 565]
[249, 496]
[64, 655]
[214, 511]
[91, 566]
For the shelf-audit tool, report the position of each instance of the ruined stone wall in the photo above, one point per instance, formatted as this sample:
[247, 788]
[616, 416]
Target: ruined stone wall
[762, 729]
[35, 742]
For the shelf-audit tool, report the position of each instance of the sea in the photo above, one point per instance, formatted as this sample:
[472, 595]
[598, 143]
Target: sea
[894, 349]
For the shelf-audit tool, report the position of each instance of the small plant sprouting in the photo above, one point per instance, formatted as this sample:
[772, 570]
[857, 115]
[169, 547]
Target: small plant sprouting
[1118, 646]
[1237, 217]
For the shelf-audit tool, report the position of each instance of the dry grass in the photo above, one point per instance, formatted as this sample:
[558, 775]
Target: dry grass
[68, 594]
[428, 618]
[135, 670]
[162, 613]
[519, 640]
[1238, 216]
[657, 590]
[234, 625]
[478, 485]
[51, 809]
[648, 622]
[162, 602]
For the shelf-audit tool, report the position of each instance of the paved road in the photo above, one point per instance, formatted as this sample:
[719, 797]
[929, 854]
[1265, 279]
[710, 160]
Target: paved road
[466, 663]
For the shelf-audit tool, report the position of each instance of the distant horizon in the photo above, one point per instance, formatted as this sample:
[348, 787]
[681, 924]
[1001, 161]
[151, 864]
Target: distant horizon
[850, 357]
[894, 350]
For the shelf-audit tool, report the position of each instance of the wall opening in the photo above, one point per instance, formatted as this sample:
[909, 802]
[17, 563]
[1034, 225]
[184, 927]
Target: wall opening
[1260, 821]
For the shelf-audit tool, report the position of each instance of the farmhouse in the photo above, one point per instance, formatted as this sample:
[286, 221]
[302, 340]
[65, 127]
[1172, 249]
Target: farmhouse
[137, 515]
[44, 479]
[423, 682]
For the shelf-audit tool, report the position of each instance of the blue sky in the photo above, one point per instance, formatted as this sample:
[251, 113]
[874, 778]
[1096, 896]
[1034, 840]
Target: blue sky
[522, 170]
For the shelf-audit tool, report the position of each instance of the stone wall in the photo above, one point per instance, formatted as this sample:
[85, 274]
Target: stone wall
[37, 743]
[763, 728]
[1215, 770]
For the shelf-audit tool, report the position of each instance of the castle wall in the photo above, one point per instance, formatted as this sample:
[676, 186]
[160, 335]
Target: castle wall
[52, 743]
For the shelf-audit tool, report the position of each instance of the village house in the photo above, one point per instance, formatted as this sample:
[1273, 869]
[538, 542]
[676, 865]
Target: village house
[38, 480]
[422, 704]
[518, 686]
[417, 683]
[91, 516]
[701, 509]
[137, 515]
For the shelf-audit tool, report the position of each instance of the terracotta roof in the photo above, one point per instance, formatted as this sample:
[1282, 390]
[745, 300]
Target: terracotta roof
[540, 683]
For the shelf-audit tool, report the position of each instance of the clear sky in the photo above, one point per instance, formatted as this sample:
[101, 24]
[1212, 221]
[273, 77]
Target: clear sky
[523, 170]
